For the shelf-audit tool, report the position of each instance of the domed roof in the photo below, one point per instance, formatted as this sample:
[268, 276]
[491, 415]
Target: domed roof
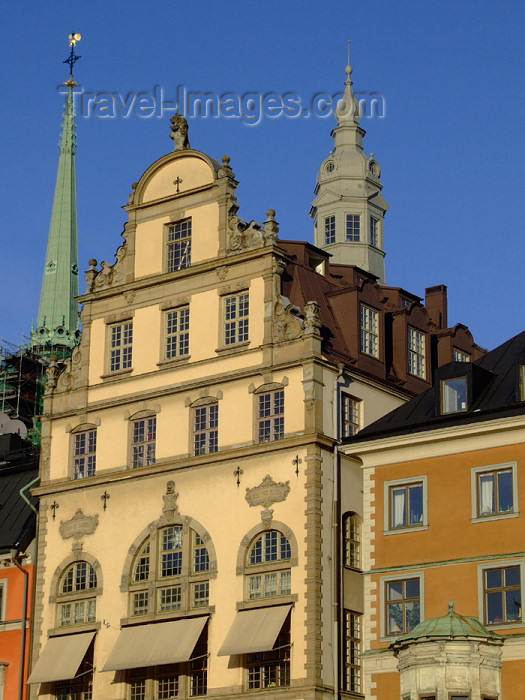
[449, 626]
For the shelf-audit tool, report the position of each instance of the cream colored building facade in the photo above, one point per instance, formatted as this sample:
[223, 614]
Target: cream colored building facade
[188, 480]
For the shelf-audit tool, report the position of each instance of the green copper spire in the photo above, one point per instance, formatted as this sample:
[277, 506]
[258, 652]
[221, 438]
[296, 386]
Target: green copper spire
[57, 327]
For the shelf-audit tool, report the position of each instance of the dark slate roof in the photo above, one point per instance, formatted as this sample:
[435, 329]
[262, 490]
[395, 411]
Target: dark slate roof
[17, 520]
[497, 373]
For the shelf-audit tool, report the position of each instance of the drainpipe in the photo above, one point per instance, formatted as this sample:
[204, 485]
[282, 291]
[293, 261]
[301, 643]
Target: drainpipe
[15, 558]
[336, 528]
[26, 488]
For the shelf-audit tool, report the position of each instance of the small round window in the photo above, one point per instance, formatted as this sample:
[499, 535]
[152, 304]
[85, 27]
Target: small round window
[330, 166]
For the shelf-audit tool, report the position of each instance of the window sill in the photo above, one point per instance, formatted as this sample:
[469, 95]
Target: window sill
[231, 349]
[174, 362]
[74, 629]
[403, 530]
[496, 516]
[167, 616]
[269, 602]
[117, 374]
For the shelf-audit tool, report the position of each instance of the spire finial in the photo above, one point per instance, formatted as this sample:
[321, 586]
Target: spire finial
[348, 109]
[74, 37]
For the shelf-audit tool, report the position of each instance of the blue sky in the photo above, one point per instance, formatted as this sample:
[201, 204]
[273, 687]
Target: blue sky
[450, 144]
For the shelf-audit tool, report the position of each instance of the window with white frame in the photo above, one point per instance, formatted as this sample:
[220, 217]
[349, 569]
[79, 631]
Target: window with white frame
[76, 596]
[236, 318]
[271, 669]
[453, 395]
[374, 232]
[120, 346]
[502, 594]
[352, 540]
[329, 229]
[495, 490]
[416, 353]
[267, 566]
[177, 336]
[460, 356]
[169, 573]
[405, 504]
[353, 226]
[179, 245]
[80, 687]
[350, 415]
[188, 679]
[84, 453]
[206, 428]
[402, 605]
[270, 415]
[351, 651]
[369, 330]
[144, 435]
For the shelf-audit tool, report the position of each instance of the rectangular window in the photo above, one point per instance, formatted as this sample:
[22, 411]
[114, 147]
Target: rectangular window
[495, 489]
[374, 232]
[121, 340]
[406, 504]
[352, 541]
[270, 416]
[460, 356]
[143, 447]
[199, 666]
[171, 551]
[454, 395]
[170, 598]
[155, 683]
[353, 225]
[77, 612]
[140, 603]
[502, 595]
[200, 594]
[402, 598]
[349, 415]
[271, 669]
[236, 317]
[369, 330]
[179, 245]
[522, 382]
[416, 353]
[84, 454]
[270, 584]
[177, 333]
[80, 687]
[206, 429]
[329, 229]
[351, 652]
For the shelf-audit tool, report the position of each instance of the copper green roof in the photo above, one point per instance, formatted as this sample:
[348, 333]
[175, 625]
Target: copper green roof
[449, 626]
[57, 322]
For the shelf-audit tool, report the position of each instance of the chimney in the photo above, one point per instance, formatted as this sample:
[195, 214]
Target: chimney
[436, 305]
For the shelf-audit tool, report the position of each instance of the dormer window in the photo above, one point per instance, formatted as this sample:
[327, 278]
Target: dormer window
[522, 382]
[179, 245]
[454, 395]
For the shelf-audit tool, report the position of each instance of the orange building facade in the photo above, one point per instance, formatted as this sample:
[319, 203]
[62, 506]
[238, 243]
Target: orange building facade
[443, 489]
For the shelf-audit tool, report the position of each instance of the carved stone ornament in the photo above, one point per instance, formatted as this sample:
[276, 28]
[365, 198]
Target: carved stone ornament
[268, 492]
[179, 132]
[78, 526]
[53, 371]
[109, 275]
[68, 378]
[312, 324]
[287, 324]
[266, 517]
[243, 236]
[170, 509]
[225, 170]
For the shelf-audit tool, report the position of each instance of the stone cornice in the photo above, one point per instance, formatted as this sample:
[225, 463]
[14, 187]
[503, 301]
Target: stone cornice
[184, 462]
[437, 442]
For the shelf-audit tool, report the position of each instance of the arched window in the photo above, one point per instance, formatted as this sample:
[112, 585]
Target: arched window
[268, 572]
[352, 540]
[76, 595]
[170, 572]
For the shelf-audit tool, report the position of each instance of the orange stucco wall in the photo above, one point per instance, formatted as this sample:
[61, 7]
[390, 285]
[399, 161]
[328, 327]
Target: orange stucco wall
[10, 638]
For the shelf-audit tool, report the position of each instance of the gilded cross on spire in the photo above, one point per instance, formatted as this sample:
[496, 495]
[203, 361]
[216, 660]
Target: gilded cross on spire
[72, 58]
